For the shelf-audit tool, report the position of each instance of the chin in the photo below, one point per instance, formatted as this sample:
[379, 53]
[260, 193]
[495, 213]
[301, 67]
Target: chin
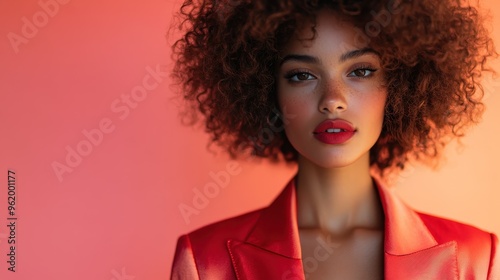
[331, 161]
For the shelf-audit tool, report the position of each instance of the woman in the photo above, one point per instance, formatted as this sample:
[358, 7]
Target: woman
[360, 87]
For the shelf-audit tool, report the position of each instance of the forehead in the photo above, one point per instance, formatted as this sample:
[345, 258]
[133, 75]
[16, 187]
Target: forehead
[330, 32]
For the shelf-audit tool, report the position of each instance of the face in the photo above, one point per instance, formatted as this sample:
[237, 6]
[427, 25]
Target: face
[335, 89]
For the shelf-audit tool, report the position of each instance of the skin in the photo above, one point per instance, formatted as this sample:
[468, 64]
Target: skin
[336, 197]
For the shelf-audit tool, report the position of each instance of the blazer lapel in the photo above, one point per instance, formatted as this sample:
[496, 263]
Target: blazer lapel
[411, 252]
[255, 263]
[272, 249]
[438, 262]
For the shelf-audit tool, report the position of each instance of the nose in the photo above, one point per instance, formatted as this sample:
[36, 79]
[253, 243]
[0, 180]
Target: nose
[333, 98]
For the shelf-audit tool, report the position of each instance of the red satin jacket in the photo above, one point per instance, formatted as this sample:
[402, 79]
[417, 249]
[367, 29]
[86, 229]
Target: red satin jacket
[264, 244]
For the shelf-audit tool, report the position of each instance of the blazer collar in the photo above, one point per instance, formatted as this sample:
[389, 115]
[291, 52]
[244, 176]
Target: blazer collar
[410, 250]
[272, 248]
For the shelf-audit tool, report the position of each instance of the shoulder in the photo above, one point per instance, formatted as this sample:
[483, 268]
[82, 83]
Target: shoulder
[207, 247]
[474, 246]
[218, 232]
[444, 230]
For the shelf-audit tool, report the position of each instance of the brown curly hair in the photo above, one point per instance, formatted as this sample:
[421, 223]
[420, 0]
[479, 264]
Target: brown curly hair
[433, 53]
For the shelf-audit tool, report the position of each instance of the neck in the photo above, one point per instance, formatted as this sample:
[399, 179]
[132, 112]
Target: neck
[337, 200]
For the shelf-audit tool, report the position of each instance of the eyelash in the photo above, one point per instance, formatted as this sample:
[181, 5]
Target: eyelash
[294, 73]
[364, 67]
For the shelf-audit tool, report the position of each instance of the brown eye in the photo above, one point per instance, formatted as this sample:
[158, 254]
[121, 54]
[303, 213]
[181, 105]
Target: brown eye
[362, 73]
[300, 76]
[303, 76]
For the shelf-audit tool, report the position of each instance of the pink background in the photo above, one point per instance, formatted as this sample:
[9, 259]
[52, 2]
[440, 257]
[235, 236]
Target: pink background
[115, 213]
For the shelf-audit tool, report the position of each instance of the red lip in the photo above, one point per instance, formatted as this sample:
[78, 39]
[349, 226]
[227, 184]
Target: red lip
[334, 138]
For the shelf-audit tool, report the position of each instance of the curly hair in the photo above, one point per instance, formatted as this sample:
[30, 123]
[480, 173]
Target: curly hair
[433, 52]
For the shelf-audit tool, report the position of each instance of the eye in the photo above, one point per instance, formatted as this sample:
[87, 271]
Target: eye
[299, 76]
[363, 72]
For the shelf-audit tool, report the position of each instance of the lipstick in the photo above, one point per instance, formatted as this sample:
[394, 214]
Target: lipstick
[334, 132]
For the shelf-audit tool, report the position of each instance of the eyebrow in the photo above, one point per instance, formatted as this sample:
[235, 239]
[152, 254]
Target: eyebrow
[357, 53]
[315, 60]
[300, 58]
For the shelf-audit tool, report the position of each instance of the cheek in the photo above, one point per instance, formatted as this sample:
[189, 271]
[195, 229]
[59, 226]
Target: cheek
[292, 104]
[292, 108]
[372, 109]
[296, 111]
[382, 101]
[296, 99]
[378, 107]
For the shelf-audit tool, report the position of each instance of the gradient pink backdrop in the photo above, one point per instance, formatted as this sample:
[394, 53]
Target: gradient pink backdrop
[116, 214]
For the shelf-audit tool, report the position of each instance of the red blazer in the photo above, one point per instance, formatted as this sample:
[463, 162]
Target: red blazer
[264, 244]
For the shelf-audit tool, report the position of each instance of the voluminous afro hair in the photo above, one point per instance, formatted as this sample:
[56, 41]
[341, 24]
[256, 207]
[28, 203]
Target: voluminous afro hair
[433, 54]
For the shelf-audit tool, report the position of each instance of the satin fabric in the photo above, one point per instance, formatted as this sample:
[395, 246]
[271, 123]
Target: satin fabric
[264, 244]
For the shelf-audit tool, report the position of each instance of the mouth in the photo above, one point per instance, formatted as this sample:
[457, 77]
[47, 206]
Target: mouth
[334, 132]
[334, 126]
